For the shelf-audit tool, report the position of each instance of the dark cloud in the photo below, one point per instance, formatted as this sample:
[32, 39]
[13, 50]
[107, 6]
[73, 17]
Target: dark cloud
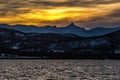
[115, 13]
[71, 3]
[9, 7]
[109, 20]
[74, 3]
[14, 12]
[14, 4]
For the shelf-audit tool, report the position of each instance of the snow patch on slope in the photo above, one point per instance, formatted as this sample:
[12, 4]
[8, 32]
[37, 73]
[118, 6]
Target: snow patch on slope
[15, 46]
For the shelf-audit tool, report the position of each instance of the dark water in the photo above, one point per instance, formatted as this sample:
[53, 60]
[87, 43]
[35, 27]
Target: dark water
[59, 70]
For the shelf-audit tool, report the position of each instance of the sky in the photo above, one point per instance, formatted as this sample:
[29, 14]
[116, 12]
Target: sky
[84, 13]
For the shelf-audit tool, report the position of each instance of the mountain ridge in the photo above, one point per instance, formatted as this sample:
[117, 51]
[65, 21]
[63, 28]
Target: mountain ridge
[69, 29]
[14, 42]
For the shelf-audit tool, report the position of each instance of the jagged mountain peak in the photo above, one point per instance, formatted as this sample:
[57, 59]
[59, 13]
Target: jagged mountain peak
[72, 25]
[71, 29]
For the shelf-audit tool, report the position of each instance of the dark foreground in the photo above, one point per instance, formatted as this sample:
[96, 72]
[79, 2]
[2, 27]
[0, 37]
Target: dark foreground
[59, 70]
[67, 55]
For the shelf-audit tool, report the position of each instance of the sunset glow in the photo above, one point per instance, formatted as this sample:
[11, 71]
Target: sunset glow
[86, 13]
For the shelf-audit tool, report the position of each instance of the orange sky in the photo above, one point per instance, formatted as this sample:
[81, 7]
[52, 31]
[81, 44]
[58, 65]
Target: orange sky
[85, 13]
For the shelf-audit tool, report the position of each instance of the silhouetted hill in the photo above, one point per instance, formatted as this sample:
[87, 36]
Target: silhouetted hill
[69, 29]
[14, 42]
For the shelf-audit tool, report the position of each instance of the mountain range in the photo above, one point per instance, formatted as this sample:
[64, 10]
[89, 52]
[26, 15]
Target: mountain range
[41, 41]
[70, 29]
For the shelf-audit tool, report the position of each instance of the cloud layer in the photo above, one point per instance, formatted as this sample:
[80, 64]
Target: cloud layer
[86, 13]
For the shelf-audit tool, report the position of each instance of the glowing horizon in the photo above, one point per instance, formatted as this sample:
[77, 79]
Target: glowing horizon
[86, 13]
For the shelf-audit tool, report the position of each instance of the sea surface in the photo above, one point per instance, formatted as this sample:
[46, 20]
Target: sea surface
[59, 69]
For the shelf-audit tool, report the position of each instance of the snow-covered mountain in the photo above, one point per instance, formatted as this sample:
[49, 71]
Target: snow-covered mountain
[13, 42]
[70, 29]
